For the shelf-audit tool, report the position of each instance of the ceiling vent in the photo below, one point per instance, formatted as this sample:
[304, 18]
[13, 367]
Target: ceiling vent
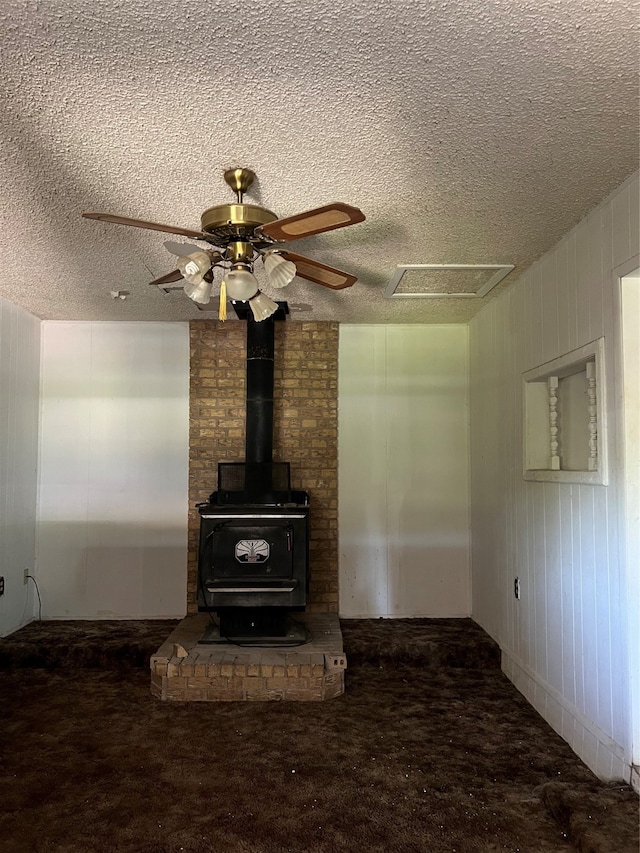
[439, 281]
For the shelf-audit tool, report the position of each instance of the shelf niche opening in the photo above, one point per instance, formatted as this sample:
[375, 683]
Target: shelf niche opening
[564, 418]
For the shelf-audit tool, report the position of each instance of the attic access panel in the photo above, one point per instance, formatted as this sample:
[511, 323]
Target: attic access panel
[438, 281]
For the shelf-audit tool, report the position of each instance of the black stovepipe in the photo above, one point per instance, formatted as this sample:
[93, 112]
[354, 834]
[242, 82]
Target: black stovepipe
[259, 410]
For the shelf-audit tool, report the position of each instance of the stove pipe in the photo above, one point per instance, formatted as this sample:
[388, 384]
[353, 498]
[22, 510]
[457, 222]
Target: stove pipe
[254, 531]
[259, 411]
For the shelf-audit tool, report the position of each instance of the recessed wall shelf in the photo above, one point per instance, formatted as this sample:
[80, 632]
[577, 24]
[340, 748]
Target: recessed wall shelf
[564, 418]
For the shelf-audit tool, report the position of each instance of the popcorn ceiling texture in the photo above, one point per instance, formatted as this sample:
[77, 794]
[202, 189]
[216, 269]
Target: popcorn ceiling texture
[467, 132]
[304, 432]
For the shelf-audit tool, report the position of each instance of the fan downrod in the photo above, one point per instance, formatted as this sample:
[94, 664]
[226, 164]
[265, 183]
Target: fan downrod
[239, 180]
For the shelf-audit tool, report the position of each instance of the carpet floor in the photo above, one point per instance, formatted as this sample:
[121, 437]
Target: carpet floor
[430, 750]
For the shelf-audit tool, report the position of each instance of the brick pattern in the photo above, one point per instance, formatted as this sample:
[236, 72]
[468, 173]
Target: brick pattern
[184, 670]
[305, 431]
[271, 677]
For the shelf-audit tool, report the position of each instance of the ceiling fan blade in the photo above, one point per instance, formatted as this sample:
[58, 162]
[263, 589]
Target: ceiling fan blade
[174, 275]
[320, 273]
[180, 249]
[316, 221]
[142, 223]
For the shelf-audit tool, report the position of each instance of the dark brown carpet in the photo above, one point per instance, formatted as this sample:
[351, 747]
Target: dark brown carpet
[430, 750]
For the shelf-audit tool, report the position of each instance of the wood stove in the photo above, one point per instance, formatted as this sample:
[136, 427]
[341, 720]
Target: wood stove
[254, 530]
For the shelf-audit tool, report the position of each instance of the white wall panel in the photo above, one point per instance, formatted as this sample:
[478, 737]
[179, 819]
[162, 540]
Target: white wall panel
[112, 531]
[362, 470]
[19, 389]
[565, 642]
[403, 483]
[630, 529]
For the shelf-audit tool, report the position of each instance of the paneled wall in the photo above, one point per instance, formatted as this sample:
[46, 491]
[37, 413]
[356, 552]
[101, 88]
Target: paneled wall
[630, 326]
[565, 642]
[19, 387]
[304, 430]
[112, 528]
[403, 482]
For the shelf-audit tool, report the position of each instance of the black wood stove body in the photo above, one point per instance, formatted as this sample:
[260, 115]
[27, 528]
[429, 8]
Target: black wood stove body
[254, 530]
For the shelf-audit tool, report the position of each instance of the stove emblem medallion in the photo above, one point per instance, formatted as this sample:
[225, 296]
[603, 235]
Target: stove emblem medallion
[252, 551]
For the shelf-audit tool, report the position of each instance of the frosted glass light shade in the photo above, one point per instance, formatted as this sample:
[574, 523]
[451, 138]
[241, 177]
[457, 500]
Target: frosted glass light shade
[241, 284]
[262, 307]
[200, 292]
[279, 270]
[193, 266]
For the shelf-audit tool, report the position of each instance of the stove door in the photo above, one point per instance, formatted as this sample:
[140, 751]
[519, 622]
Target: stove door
[253, 559]
[252, 551]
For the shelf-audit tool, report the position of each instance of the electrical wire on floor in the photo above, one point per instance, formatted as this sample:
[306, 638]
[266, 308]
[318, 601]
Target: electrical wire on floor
[35, 583]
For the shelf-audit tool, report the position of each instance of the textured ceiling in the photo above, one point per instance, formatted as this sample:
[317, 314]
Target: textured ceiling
[467, 132]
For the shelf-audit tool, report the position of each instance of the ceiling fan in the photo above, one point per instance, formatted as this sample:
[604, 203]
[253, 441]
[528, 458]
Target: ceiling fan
[243, 234]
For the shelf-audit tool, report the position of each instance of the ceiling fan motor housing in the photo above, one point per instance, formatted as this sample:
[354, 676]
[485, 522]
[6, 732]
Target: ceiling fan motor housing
[230, 222]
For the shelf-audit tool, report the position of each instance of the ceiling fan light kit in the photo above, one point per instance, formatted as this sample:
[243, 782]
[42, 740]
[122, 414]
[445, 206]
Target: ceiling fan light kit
[241, 283]
[262, 307]
[199, 292]
[244, 233]
[280, 272]
[194, 266]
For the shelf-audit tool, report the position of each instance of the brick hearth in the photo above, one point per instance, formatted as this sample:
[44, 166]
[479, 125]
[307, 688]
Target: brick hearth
[185, 670]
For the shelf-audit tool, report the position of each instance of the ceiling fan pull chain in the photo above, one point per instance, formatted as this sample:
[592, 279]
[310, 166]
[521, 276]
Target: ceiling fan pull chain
[222, 310]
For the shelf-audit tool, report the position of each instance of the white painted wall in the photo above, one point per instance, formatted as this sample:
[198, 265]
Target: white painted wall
[112, 526]
[19, 386]
[566, 642]
[403, 471]
[630, 528]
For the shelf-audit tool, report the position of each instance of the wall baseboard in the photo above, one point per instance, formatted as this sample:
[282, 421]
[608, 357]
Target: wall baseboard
[602, 755]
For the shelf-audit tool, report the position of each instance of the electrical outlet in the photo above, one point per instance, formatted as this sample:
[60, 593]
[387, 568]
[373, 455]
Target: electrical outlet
[516, 587]
[2, 586]
[25, 578]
